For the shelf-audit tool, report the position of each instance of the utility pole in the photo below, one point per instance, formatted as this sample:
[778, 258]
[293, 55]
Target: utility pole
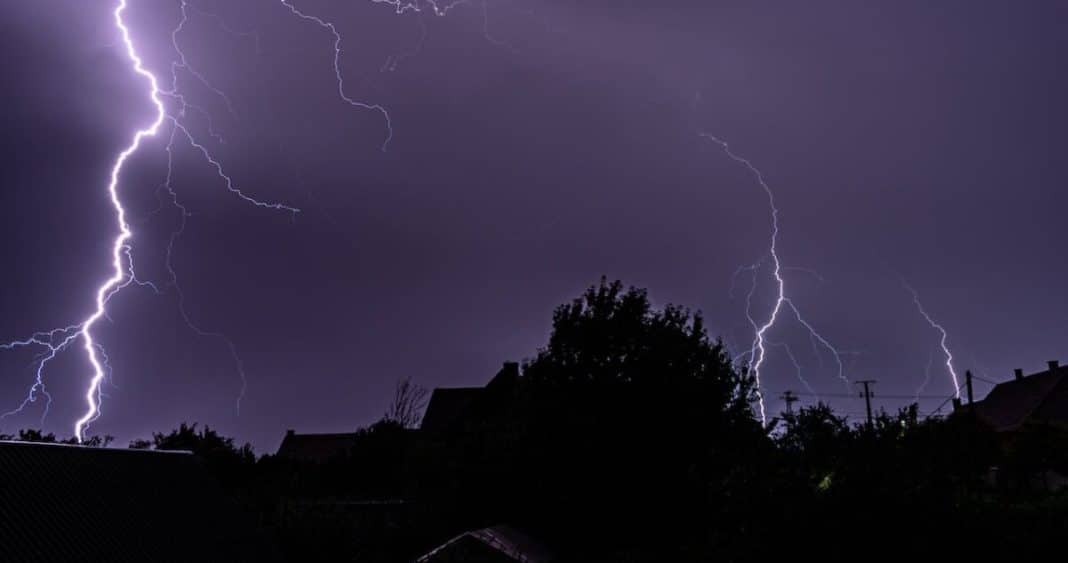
[968, 379]
[867, 394]
[789, 398]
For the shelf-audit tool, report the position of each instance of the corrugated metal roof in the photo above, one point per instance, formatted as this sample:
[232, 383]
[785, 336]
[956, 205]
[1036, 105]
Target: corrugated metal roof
[498, 543]
[71, 503]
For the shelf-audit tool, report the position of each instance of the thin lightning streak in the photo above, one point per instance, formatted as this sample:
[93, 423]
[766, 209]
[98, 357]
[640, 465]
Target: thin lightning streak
[758, 351]
[230, 186]
[222, 25]
[185, 106]
[752, 269]
[337, 62]
[926, 377]
[399, 7]
[486, 32]
[819, 337]
[797, 366]
[942, 342]
[175, 235]
[183, 63]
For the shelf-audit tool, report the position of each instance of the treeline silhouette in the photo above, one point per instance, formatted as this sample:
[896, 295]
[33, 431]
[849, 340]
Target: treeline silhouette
[631, 436]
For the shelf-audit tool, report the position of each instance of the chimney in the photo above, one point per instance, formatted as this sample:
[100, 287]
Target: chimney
[506, 378]
[956, 404]
[1018, 373]
[290, 432]
[1054, 365]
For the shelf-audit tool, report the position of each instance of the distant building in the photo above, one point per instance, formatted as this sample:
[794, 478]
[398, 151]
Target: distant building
[454, 409]
[449, 410]
[74, 503]
[1030, 418]
[498, 544]
[1037, 399]
[316, 448]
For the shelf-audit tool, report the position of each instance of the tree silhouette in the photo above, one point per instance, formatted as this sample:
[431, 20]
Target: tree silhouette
[231, 463]
[409, 402]
[630, 417]
[38, 436]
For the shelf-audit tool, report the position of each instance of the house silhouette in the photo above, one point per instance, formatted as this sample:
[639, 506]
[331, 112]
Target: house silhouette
[1037, 399]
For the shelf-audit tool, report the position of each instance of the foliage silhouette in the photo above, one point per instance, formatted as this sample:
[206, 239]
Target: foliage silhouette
[35, 435]
[631, 436]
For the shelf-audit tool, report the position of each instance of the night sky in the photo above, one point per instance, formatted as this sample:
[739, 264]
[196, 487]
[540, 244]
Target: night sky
[537, 145]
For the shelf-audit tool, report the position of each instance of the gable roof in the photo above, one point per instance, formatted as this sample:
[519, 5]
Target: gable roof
[317, 448]
[73, 503]
[1040, 396]
[447, 405]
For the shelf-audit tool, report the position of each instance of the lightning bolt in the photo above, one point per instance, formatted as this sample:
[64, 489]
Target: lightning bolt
[942, 341]
[401, 7]
[797, 366]
[56, 340]
[758, 351]
[926, 377]
[183, 63]
[184, 215]
[118, 279]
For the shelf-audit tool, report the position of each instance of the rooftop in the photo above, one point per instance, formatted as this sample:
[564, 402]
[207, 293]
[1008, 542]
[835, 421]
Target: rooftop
[1040, 396]
[65, 503]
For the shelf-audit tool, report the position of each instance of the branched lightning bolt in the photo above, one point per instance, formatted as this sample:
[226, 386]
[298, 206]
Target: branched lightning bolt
[118, 280]
[758, 351]
[944, 336]
[56, 340]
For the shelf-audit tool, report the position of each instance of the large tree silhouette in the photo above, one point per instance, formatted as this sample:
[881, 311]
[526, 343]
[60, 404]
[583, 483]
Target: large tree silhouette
[630, 422]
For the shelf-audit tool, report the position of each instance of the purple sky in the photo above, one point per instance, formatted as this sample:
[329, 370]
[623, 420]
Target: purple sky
[537, 145]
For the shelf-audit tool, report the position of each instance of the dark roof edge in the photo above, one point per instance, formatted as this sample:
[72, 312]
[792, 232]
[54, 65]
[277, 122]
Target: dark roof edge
[94, 448]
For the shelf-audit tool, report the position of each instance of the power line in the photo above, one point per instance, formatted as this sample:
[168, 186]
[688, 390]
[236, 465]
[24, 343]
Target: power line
[850, 395]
